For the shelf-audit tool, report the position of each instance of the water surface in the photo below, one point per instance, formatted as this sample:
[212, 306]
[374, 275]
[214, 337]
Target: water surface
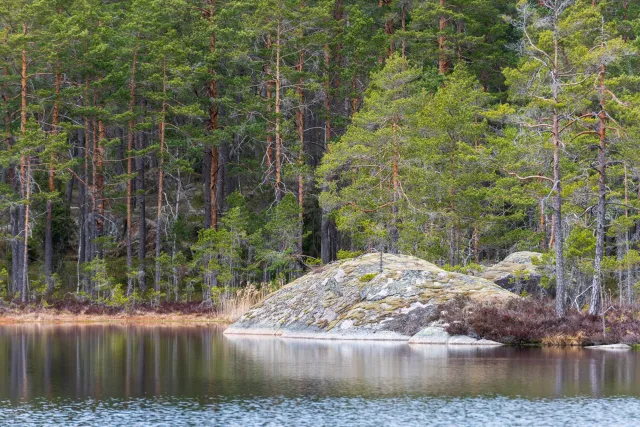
[142, 375]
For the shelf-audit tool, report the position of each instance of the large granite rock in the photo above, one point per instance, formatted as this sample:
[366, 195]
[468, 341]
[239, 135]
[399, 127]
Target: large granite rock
[353, 300]
[517, 273]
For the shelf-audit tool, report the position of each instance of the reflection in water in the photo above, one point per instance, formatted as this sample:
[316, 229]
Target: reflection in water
[391, 369]
[198, 363]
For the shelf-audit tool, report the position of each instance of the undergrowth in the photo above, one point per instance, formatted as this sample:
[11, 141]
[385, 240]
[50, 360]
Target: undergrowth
[530, 321]
[227, 304]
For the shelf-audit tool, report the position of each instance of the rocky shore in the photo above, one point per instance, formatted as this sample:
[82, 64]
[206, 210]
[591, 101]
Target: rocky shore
[393, 297]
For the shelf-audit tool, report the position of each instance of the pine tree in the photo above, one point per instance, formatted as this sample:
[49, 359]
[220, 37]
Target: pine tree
[370, 162]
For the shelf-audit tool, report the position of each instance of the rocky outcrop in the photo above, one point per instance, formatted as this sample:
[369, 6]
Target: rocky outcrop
[353, 299]
[517, 273]
[614, 347]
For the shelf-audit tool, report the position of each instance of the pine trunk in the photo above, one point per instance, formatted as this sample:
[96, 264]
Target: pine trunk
[130, 142]
[48, 238]
[25, 172]
[278, 134]
[160, 175]
[443, 64]
[142, 223]
[558, 238]
[595, 305]
[393, 232]
[211, 160]
[301, 162]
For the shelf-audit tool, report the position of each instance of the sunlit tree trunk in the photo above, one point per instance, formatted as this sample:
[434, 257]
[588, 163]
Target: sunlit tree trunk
[25, 175]
[595, 305]
[130, 142]
[163, 118]
[278, 111]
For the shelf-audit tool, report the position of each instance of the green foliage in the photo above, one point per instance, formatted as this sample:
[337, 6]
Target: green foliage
[103, 282]
[426, 131]
[344, 254]
[367, 277]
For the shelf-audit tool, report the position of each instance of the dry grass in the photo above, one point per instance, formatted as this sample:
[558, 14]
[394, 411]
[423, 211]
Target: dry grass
[230, 305]
[564, 340]
[235, 303]
[51, 317]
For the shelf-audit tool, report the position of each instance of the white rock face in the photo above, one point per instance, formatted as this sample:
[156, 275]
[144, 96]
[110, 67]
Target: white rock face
[352, 299]
[438, 335]
[615, 347]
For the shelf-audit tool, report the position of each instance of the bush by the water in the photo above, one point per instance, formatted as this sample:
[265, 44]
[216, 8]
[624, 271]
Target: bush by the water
[529, 321]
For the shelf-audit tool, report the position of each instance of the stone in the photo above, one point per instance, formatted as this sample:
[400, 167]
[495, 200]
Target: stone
[331, 302]
[616, 347]
[517, 273]
[438, 335]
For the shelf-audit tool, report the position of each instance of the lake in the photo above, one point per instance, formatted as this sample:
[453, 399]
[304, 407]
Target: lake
[193, 375]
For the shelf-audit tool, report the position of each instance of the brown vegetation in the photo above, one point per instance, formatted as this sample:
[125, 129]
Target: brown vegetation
[529, 321]
[230, 305]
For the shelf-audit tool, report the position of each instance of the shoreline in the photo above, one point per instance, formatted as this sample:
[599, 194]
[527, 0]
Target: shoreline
[50, 317]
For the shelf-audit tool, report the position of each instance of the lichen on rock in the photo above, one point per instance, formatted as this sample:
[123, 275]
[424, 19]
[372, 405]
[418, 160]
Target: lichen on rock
[332, 302]
[519, 272]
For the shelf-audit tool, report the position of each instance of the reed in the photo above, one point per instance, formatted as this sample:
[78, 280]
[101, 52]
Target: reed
[234, 302]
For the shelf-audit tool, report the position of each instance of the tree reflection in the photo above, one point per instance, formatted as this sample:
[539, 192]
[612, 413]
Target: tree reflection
[121, 362]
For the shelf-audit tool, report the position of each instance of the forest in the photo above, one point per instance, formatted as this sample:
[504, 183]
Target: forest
[171, 150]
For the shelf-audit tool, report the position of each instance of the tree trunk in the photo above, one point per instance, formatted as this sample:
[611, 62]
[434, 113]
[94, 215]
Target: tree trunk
[558, 238]
[206, 184]
[94, 189]
[130, 142]
[325, 241]
[82, 200]
[301, 162]
[443, 63]
[595, 305]
[142, 224]
[403, 24]
[14, 210]
[278, 134]
[160, 175]
[393, 231]
[48, 238]
[211, 152]
[25, 173]
[88, 203]
[99, 154]
[26, 177]
[268, 96]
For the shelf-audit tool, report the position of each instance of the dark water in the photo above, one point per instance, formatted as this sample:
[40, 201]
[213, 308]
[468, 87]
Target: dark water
[138, 376]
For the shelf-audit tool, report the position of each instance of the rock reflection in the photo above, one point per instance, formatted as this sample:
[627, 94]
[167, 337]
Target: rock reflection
[122, 362]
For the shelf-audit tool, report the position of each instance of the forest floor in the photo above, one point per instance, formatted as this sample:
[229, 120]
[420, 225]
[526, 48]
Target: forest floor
[63, 312]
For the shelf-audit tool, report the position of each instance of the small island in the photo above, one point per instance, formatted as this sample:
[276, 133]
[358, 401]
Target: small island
[387, 297]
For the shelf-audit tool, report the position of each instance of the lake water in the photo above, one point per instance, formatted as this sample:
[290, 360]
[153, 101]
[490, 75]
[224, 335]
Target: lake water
[139, 376]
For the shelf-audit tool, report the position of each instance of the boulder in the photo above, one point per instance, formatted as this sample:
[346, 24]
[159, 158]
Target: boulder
[615, 347]
[517, 273]
[438, 335]
[353, 299]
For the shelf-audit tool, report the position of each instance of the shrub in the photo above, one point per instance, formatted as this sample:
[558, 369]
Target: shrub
[527, 321]
[342, 254]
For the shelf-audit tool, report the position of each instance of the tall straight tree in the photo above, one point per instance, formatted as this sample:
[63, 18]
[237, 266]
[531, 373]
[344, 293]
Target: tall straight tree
[544, 85]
